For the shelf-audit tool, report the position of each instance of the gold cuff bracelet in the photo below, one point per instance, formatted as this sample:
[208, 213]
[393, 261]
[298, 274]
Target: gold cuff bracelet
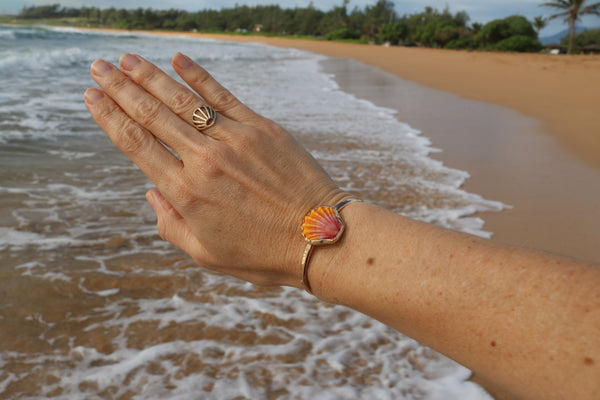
[322, 225]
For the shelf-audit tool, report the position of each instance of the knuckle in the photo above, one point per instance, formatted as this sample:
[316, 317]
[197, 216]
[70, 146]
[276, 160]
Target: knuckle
[276, 134]
[117, 84]
[223, 100]
[214, 166]
[213, 172]
[147, 76]
[147, 111]
[201, 78]
[108, 113]
[181, 190]
[250, 139]
[185, 199]
[132, 139]
[281, 136]
[183, 101]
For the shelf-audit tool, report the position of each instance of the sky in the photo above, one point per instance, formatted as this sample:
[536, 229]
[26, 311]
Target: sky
[481, 11]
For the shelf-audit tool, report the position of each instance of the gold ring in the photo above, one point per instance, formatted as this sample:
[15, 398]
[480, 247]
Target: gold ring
[204, 117]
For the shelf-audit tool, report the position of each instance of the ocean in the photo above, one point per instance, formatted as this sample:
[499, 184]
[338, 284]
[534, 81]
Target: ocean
[93, 304]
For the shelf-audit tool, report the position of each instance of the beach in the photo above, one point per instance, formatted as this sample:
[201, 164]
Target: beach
[547, 167]
[95, 304]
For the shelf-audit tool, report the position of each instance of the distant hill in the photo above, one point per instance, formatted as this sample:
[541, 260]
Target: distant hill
[557, 36]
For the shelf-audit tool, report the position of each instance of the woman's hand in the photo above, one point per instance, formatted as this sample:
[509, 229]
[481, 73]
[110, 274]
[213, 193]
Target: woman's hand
[234, 196]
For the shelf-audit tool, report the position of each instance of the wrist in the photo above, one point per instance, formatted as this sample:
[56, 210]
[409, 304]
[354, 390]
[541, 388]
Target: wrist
[322, 225]
[330, 266]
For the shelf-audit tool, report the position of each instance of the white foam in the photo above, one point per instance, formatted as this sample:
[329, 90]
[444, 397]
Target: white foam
[12, 238]
[41, 60]
[7, 34]
[338, 343]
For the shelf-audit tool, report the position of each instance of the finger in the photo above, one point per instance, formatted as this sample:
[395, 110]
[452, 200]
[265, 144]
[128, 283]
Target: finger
[216, 95]
[158, 163]
[145, 109]
[171, 225]
[179, 98]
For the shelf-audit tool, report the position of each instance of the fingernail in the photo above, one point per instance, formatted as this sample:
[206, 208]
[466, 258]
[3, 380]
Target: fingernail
[101, 67]
[129, 62]
[182, 61]
[151, 200]
[92, 96]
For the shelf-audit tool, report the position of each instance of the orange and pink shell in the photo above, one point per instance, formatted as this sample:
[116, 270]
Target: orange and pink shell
[322, 225]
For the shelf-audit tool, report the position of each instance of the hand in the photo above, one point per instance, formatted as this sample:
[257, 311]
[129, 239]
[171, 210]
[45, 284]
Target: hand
[234, 196]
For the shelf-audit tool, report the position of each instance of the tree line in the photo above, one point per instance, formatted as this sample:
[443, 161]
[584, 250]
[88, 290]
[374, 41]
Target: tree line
[377, 23]
[272, 19]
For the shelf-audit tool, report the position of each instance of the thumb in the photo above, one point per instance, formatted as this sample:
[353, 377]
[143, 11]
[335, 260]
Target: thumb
[171, 225]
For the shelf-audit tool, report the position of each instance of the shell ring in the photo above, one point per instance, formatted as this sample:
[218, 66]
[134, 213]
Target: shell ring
[204, 117]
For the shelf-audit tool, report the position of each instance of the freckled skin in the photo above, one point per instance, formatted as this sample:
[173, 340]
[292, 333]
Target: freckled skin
[484, 303]
[589, 361]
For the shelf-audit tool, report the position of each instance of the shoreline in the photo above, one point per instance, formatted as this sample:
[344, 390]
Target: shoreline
[542, 158]
[551, 194]
[561, 91]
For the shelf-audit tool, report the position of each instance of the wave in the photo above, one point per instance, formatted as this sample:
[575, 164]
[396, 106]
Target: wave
[40, 60]
[40, 32]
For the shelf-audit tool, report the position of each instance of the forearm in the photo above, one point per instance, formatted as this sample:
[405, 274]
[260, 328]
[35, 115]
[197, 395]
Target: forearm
[527, 321]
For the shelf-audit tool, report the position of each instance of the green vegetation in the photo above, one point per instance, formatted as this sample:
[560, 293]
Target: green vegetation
[342, 34]
[500, 29]
[586, 41]
[241, 19]
[540, 23]
[378, 23]
[519, 43]
[514, 33]
[572, 10]
[433, 28]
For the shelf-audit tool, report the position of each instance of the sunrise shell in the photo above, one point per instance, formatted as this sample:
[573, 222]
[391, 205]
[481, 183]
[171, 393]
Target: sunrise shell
[322, 225]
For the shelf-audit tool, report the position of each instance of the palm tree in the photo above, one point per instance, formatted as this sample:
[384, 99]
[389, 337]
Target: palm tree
[572, 10]
[539, 23]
